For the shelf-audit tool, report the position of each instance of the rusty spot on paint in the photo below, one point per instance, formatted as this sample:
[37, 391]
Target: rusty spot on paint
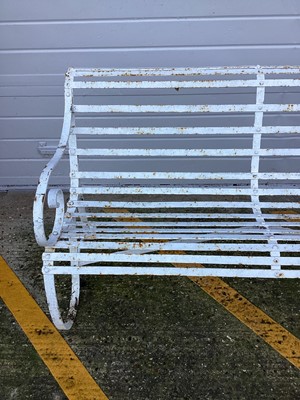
[44, 331]
[290, 107]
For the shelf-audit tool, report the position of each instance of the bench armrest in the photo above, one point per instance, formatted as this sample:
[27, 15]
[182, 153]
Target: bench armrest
[55, 200]
[55, 196]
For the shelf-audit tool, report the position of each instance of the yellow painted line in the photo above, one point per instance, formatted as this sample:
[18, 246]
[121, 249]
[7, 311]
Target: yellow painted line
[284, 342]
[64, 365]
[279, 338]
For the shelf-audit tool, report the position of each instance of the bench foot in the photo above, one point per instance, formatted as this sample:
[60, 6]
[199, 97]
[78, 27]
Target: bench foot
[49, 281]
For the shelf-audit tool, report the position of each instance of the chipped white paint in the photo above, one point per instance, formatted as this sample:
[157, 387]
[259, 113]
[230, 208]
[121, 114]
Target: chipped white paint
[236, 236]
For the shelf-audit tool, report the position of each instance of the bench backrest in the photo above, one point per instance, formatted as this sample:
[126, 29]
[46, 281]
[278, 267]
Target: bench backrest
[204, 131]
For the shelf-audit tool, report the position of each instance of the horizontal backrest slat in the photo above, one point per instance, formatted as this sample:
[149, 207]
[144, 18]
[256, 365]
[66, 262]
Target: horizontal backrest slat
[184, 175]
[242, 70]
[146, 84]
[184, 130]
[186, 152]
[212, 108]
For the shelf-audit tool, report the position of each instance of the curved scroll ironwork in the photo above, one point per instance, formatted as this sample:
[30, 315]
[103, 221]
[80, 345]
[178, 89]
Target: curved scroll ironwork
[55, 200]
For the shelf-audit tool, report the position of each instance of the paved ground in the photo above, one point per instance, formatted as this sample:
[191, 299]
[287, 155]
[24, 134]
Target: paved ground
[147, 337]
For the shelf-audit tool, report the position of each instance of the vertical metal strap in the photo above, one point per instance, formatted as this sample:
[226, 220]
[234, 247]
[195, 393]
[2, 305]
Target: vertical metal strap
[73, 165]
[74, 168]
[256, 145]
[74, 182]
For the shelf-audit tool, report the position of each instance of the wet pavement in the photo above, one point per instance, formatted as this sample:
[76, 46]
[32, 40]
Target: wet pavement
[147, 338]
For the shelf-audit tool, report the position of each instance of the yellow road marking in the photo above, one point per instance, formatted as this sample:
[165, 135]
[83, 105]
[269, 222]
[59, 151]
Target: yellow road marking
[284, 342]
[279, 338]
[62, 362]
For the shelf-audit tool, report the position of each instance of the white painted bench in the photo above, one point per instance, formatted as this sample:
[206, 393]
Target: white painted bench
[173, 170]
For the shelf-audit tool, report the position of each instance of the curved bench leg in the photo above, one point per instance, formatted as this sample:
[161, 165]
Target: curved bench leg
[49, 281]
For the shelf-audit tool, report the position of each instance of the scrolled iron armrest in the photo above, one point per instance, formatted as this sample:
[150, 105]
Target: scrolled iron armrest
[55, 196]
[55, 200]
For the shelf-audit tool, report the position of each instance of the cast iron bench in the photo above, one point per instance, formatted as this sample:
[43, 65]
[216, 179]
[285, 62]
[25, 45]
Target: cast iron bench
[187, 171]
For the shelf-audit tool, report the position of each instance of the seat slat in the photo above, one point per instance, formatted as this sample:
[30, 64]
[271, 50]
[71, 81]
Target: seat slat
[139, 232]
[172, 215]
[183, 204]
[182, 271]
[203, 236]
[166, 258]
[182, 246]
[93, 225]
[171, 190]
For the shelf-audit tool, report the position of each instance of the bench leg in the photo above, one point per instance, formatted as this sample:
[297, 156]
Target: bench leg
[49, 281]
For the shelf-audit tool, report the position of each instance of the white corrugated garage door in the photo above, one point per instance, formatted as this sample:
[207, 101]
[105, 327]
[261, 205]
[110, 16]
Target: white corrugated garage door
[39, 40]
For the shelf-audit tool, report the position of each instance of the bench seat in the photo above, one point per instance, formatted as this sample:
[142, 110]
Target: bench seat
[191, 172]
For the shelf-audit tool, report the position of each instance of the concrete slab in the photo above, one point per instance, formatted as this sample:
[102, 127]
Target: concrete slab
[147, 337]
